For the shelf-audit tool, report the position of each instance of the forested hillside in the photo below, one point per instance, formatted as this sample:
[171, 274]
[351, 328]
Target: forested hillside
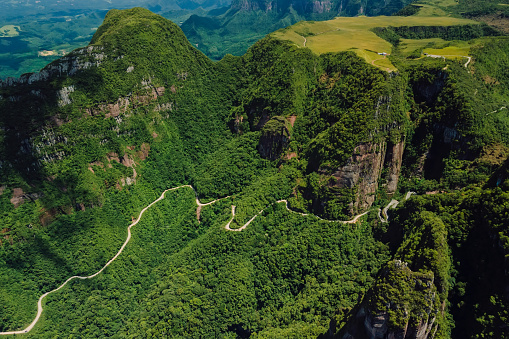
[34, 33]
[98, 135]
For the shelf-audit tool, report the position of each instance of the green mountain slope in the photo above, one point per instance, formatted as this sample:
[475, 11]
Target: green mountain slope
[96, 136]
[32, 34]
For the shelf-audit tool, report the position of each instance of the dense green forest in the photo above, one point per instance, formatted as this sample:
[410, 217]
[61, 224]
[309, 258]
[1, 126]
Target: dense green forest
[111, 126]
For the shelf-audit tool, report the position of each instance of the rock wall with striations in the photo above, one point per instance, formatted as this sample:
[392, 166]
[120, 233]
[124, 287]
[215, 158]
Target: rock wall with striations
[364, 170]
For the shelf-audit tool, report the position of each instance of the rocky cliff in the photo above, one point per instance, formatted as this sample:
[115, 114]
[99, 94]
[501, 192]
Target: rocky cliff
[106, 98]
[366, 168]
[306, 7]
[80, 59]
[408, 298]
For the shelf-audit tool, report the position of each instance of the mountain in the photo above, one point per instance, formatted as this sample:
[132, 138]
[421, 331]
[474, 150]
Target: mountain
[34, 33]
[280, 170]
[246, 21]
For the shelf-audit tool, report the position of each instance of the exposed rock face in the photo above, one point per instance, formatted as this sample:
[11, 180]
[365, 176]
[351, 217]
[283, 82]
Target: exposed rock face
[394, 160]
[322, 6]
[110, 110]
[316, 6]
[377, 327]
[63, 96]
[336, 7]
[246, 5]
[83, 58]
[19, 197]
[363, 172]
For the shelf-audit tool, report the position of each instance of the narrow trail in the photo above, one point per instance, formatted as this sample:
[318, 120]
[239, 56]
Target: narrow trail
[200, 205]
[469, 59]
[228, 228]
[306, 40]
[392, 204]
[443, 56]
[386, 68]
[39, 302]
[497, 110]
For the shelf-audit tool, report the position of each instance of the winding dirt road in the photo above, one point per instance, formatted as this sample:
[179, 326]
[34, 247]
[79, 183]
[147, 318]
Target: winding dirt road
[39, 302]
[386, 68]
[200, 205]
[228, 228]
[392, 204]
[497, 110]
[469, 59]
[444, 56]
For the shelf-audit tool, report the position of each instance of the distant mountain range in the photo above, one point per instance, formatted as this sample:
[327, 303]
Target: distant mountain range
[53, 28]
[17, 9]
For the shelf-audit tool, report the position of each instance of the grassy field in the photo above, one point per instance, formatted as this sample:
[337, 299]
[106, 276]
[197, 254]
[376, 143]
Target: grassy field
[375, 59]
[435, 7]
[9, 31]
[430, 11]
[344, 33]
[407, 46]
[450, 51]
[439, 46]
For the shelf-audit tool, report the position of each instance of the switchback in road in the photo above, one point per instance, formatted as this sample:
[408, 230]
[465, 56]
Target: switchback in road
[199, 204]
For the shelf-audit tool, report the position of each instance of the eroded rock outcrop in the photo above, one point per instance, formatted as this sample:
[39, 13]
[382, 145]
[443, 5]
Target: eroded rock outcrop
[403, 304]
[19, 197]
[393, 161]
[363, 171]
[80, 59]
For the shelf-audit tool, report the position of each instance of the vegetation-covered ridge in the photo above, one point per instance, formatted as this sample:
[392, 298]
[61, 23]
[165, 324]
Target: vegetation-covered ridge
[96, 135]
[33, 34]
[39, 302]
